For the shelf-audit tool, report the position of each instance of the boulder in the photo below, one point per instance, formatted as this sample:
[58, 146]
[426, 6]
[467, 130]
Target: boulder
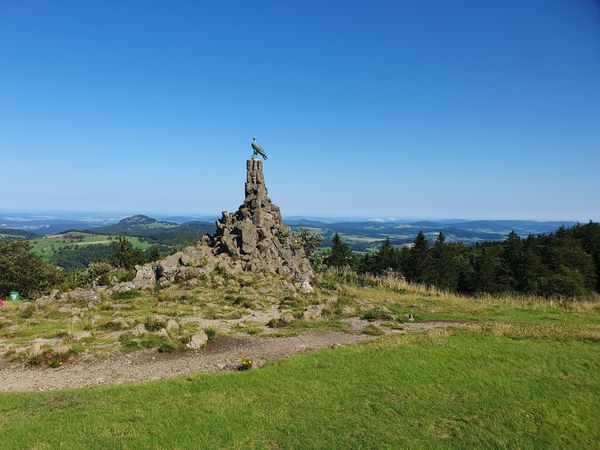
[145, 276]
[80, 294]
[171, 326]
[313, 312]
[198, 340]
[121, 288]
[139, 330]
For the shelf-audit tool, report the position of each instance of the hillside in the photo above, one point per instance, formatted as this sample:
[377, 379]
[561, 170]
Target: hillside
[412, 387]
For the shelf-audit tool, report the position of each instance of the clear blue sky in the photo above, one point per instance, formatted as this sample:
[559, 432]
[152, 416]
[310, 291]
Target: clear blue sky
[429, 109]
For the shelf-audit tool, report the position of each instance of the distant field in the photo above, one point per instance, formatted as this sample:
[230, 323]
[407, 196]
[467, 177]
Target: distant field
[48, 245]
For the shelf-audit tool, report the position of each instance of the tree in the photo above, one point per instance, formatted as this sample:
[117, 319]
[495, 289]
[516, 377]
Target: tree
[124, 255]
[153, 253]
[309, 242]
[23, 271]
[416, 262]
[340, 255]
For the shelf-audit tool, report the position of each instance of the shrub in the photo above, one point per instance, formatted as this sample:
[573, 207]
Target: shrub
[246, 364]
[154, 323]
[211, 333]
[23, 271]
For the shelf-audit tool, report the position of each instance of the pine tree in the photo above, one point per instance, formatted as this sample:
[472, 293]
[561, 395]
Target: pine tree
[340, 255]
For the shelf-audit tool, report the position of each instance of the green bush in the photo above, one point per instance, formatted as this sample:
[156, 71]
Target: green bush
[23, 271]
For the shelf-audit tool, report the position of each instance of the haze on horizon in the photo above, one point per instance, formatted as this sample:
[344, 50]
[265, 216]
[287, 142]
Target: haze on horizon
[379, 109]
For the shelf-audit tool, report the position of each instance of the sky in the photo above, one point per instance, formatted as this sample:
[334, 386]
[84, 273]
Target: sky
[428, 109]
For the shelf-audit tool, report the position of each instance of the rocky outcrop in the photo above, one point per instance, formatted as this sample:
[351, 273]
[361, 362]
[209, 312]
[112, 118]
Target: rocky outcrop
[252, 239]
[256, 235]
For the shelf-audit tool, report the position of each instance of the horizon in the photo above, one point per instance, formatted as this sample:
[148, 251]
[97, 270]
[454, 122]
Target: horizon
[422, 110]
[50, 214]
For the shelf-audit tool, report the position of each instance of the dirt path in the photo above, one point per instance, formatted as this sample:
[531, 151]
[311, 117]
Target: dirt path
[223, 354]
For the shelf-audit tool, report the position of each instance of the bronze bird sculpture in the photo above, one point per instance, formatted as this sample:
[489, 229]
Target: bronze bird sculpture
[258, 150]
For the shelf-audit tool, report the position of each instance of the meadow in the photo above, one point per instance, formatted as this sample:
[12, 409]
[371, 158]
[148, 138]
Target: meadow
[511, 372]
[47, 246]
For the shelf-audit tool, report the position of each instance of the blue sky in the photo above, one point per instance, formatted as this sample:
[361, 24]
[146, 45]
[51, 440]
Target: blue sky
[428, 109]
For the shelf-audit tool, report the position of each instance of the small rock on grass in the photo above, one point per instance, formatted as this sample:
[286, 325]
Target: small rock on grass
[198, 340]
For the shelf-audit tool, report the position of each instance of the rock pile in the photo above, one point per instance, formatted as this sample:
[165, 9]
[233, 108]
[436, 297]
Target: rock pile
[252, 239]
[256, 235]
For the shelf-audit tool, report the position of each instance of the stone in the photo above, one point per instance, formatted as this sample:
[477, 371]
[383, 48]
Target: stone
[287, 317]
[172, 325]
[121, 288]
[187, 273]
[163, 333]
[198, 340]
[139, 330]
[145, 276]
[120, 323]
[256, 234]
[313, 312]
[306, 288]
[80, 294]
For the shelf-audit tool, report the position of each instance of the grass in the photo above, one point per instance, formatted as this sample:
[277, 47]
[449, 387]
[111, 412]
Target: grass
[520, 372]
[459, 389]
[48, 245]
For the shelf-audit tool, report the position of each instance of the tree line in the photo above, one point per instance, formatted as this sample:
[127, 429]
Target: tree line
[565, 263]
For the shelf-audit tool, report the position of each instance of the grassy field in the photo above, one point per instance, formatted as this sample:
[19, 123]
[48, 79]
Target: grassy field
[461, 389]
[519, 373]
[48, 245]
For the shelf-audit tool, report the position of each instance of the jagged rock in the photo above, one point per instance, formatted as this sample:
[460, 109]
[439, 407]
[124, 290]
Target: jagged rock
[120, 323]
[186, 273]
[78, 294]
[162, 333]
[287, 317]
[139, 330]
[120, 288]
[198, 340]
[145, 276]
[172, 325]
[306, 288]
[256, 232]
[313, 312]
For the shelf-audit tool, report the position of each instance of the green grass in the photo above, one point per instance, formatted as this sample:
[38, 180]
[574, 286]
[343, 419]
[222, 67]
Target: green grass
[48, 245]
[461, 389]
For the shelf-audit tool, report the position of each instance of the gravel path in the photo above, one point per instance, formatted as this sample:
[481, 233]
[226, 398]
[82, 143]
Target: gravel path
[224, 353]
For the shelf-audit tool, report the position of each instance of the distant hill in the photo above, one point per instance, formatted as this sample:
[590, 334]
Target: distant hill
[137, 223]
[8, 234]
[158, 231]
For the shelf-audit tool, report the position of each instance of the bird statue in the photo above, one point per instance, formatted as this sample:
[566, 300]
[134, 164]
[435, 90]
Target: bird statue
[258, 150]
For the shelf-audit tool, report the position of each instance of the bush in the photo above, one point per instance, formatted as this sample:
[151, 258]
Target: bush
[23, 271]
[211, 333]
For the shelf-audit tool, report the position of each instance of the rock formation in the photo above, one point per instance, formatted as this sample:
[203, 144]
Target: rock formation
[253, 239]
[256, 235]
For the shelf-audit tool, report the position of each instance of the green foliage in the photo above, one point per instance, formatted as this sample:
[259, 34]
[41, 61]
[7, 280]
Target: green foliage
[561, 264]
[373, 330]
[211, 333]
[340, 254]
[309, 242]
[23, 271]
[124, 255]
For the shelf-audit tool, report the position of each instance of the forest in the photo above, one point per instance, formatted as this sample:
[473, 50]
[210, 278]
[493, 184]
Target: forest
[565, 263]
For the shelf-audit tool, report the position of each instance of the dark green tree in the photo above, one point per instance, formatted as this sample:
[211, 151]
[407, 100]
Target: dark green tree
[414, 269]
[124, 255]
[340, 255]
[23, 271]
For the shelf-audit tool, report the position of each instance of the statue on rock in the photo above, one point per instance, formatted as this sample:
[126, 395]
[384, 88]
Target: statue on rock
[256, 234]
[258, 150]
[252, 239]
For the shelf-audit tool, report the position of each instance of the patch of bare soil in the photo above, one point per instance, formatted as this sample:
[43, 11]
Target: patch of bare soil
[225, 353]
